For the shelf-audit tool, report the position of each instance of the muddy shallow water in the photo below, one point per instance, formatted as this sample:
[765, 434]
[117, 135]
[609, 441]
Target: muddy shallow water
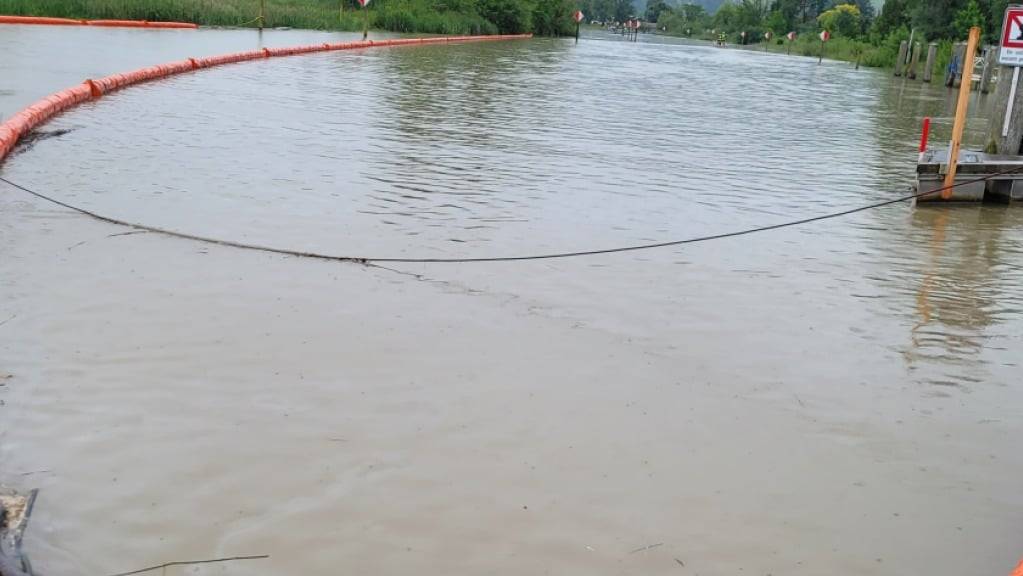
[840, 397]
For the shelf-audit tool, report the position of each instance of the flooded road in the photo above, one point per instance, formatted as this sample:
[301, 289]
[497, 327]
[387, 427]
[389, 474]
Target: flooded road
[839, 397]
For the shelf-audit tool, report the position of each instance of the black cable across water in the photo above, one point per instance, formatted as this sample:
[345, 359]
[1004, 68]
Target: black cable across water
[368, 259]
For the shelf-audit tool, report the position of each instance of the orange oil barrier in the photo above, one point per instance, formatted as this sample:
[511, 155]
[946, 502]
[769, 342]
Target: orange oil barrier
[29, 118]
[109, 23]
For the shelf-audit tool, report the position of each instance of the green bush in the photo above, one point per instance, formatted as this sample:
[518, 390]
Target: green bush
[510, 16]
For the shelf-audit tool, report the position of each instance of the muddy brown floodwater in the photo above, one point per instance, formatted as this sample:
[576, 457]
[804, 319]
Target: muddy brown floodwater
[839, 398]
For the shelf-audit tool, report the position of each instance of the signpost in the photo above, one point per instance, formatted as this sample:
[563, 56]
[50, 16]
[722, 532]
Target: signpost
[365, 19]
[767, 39]
[578, 17]
[792, 38]
[825, 36]
[1011, 54]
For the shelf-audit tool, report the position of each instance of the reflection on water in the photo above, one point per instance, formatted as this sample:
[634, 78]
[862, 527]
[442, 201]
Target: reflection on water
[968, 285]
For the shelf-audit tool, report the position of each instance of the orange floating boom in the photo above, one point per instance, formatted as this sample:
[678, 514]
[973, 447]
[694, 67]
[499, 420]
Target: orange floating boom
[43, 110]
[46, 21]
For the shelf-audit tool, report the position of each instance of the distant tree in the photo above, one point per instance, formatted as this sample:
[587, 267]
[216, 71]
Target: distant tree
[726, 18]
[693, 14]
[510, 16]
[789, 11]
[622, 10]
[967, 18]
[654, 10]
[777, 23]
[753, 12]
[842, 20]
[996, 16]
[867, 12]
[894, 15]
[934, 18]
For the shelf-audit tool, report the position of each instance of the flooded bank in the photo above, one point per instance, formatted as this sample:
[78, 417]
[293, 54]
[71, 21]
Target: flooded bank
[837, 397]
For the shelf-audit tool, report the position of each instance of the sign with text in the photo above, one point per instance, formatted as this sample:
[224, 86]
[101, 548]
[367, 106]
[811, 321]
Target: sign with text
[1011, 53]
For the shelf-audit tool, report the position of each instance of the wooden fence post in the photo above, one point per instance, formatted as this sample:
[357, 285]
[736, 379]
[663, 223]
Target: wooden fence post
[932, 53]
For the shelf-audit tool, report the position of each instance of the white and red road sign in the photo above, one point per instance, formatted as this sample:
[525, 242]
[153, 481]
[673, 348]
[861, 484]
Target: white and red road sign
[791, 36]
[825, 36]
[1011, 53]
[363, 3]
[578, 16]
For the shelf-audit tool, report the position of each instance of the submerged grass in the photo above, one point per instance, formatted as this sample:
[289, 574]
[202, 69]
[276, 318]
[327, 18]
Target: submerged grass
[400, 16]
[882, 55]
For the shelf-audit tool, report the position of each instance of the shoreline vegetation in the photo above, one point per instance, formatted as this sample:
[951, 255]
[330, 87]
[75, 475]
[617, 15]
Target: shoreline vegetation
[860, 31]
[469, 17]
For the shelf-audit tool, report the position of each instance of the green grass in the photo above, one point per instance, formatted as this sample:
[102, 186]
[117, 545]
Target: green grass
[881, 55]
[397, 15]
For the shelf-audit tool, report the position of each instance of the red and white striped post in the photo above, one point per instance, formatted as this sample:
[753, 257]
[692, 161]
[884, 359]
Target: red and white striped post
[365, 19]
[925, 135]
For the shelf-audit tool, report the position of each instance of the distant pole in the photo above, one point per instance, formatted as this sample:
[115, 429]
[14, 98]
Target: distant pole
[341, 11]
[932, 53]
[911, 73]
[901, 60]
[962, 105]
[262, 14]
[578, 17]
[989, 70]
[365, 18]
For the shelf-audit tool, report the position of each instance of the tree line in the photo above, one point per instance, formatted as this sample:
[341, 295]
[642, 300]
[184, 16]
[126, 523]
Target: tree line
[859, 30]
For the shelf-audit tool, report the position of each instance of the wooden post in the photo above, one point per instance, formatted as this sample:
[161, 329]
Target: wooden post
[932, 53]
[821, 59]
[901, 60]
[262, 14]
[960, 52]
[341, 11]
[577, 32]
[989, 69]
[911, 74]
[962, 105]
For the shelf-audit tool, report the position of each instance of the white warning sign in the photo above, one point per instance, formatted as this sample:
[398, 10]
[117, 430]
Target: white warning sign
[1011, 53]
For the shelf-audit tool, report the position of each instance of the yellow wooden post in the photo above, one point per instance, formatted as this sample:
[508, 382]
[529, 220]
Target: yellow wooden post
[962, 106]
